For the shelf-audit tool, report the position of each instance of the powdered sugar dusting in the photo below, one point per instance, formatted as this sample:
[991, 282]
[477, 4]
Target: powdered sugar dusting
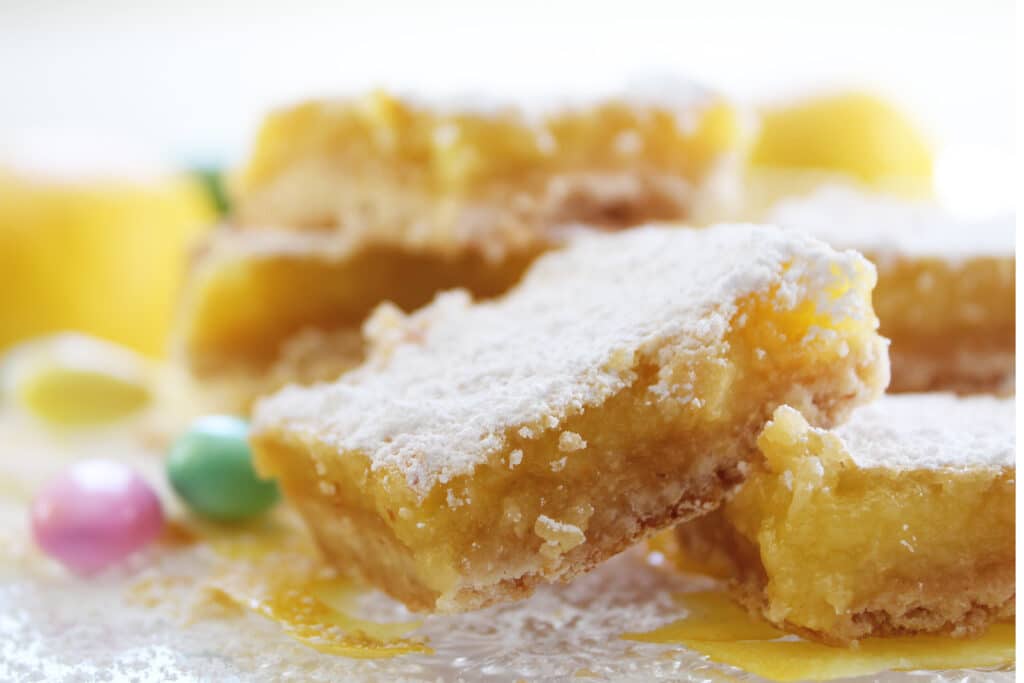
[241, 245]
[885, 226]
[639, 91]
[932, 431]
[436, 402]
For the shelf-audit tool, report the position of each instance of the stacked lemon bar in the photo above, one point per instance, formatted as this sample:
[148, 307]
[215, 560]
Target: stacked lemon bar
[901, 520]
[492, 383]
[346, 204]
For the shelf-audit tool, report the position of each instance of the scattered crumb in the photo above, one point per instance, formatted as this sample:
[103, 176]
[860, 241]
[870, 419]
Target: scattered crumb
[819, 468]
[454, 501]
[559, 537]
[628, 143]
[571, 441]
[514, 458]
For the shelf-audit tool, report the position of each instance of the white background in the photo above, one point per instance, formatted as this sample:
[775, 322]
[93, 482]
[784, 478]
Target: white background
[189, 80]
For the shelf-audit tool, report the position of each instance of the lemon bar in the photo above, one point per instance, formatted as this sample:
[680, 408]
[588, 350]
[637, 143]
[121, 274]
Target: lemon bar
[946, 288]
[619, 388]
[378, 199]
[487, 172]
[265, 308]
[901, 521]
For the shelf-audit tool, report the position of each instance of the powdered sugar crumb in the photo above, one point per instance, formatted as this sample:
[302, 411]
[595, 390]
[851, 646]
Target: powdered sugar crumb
[435, 404]
[571, 441]
[514, 458]
[454, 501]
[559, 537]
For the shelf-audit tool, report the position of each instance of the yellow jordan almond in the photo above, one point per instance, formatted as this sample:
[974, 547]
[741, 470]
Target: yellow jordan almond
[71, 380]
[855, 134]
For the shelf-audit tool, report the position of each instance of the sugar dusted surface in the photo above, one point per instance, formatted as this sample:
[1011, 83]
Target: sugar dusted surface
[885, 226]
[932, 431]
[228, 244]
[642, 91]
[444, 385]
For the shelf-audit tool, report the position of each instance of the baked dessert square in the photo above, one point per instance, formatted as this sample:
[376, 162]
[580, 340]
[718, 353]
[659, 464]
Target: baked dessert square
[618, 389]
[347, 204]
[946, 287]
[900, 521]
[266, 308]
[496, 172]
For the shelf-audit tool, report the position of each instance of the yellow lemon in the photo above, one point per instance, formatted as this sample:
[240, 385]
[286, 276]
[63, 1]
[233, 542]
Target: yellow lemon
[854, 134]
[105, 257]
